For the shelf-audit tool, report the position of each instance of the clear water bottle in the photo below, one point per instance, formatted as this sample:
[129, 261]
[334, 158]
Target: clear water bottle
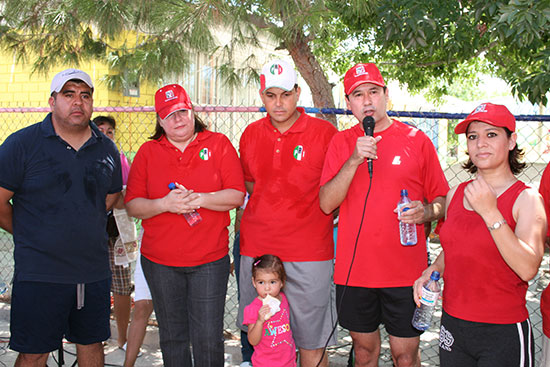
[192, 218]
[407, 231]
[422, 318]
[3, 287]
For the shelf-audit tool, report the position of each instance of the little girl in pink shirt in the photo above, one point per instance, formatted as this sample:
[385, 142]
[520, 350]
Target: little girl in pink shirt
[267, 316]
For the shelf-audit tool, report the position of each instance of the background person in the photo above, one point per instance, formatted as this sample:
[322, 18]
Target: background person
[282, 156]
[186, 267]
[246, 348]
[62, 175]
[492, 245]
[143, 308]
[379, 287]
[121, 284]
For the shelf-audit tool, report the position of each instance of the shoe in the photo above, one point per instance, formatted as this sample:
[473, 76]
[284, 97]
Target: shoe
[140, 353]
[246, 364]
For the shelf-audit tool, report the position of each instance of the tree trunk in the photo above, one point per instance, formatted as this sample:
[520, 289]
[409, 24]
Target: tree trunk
[311, 71]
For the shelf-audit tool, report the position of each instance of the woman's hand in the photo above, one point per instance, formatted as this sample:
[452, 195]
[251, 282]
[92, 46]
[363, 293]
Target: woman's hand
[481, 197]
[180, 200]
[417, 286]
[439, 266]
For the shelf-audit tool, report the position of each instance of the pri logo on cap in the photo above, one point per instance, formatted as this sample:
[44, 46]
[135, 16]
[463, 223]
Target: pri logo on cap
[276, 69]
[169, 95]
[480, 108]
[360, 70]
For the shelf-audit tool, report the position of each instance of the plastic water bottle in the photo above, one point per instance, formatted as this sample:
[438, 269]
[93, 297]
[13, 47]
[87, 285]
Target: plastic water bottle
[192, 218]
[3, 287]
[422, 318]
[407, 231]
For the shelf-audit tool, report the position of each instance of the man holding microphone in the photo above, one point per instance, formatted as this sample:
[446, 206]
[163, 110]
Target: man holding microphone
[374, 273]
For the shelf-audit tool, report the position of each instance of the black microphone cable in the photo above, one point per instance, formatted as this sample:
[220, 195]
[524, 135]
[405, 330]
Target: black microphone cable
[338, 308]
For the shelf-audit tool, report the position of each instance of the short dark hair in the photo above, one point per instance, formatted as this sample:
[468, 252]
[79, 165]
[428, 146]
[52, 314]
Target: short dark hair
[101, 120]
[269, 263]
[159, 131]
[514, 158]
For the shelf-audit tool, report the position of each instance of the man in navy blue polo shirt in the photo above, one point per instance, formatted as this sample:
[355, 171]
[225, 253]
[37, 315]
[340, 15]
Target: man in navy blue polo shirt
[61, 175]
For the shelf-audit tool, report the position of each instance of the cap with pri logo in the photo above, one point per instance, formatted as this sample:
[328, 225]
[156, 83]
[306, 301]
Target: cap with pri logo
[64, 76]
[360, 74]
[277, 74]
[492, 114]
[171, 98]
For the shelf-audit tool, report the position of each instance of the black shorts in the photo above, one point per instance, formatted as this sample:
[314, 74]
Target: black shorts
[43, 313]
[476, 344]
[362, 310]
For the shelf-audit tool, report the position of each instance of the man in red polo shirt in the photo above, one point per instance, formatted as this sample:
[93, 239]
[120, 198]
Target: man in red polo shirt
[374, 273]
[282, 156]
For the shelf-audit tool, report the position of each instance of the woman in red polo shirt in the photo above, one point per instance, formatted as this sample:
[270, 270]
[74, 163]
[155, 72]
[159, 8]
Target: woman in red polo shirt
[184, 169]
[492, 241]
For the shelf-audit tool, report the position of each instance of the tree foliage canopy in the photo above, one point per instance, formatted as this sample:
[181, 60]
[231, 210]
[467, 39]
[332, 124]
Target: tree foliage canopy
[159, 34]
[432, 43]
[424, 44]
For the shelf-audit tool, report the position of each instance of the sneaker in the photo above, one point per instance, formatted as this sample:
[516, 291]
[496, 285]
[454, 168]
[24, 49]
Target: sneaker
[246, 364]
[140, 353]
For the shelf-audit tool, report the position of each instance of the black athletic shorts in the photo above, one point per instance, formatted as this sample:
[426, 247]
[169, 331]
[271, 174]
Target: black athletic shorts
[476, 344]
[364, 309]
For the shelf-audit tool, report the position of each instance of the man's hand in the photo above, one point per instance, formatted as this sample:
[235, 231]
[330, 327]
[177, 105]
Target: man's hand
[365, 148]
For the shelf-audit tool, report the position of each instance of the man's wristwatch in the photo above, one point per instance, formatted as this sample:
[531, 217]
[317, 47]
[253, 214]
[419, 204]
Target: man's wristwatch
[497, 225]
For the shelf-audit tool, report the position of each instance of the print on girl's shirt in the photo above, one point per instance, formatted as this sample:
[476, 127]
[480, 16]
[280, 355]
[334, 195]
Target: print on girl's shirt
[274, 328]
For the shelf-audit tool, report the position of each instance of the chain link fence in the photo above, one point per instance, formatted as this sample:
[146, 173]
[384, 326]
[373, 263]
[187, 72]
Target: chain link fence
[136, 123]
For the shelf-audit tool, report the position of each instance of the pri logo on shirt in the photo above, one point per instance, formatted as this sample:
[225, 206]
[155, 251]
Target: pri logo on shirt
[299, 152]
[204, 154]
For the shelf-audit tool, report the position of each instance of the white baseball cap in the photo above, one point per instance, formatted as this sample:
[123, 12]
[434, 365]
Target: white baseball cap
[278, 74]
[64, 76]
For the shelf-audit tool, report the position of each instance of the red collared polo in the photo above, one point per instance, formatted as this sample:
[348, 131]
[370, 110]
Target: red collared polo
[209, 163]
[408, 160]
[283, 216]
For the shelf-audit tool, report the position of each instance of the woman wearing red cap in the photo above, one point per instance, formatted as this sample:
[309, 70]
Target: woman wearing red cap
[544, 190]
[185, 169]
[492, 241]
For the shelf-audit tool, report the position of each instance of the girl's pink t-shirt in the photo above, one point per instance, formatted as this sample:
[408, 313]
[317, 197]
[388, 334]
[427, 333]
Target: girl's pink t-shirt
[276, 348]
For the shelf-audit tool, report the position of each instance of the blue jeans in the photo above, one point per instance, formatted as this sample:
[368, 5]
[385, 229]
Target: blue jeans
[189, 306]
[246, 348]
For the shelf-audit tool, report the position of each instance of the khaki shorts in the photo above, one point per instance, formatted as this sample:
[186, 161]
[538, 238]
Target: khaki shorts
[311, 296]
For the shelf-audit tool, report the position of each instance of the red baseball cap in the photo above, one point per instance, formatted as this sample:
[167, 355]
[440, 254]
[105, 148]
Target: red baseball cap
[360, 74]
[171, 98]
[492, 114]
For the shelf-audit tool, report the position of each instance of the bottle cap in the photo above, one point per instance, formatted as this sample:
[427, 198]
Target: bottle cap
[171, 186]
[435, 275]
[404, 192]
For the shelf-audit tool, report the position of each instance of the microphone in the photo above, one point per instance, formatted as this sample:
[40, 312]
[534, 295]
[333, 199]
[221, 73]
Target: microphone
[368, 126]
